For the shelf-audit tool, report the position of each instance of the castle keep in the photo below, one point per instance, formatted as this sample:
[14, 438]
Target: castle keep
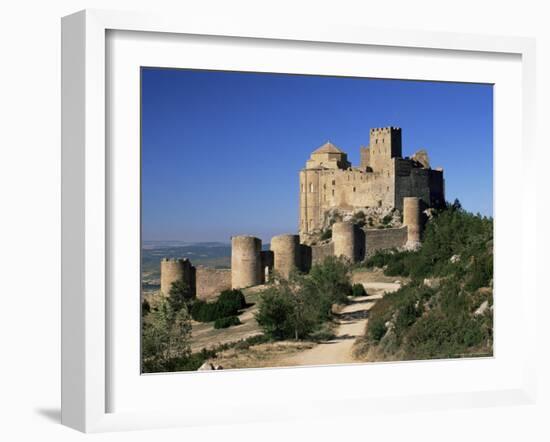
[382, 179]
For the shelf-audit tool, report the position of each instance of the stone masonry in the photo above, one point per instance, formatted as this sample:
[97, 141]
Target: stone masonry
[382, 179]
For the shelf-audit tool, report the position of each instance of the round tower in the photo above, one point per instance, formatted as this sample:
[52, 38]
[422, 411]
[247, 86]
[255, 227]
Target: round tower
[412, 219]
[246, 267]
[172, 270]
[286, 254]
[344, 237]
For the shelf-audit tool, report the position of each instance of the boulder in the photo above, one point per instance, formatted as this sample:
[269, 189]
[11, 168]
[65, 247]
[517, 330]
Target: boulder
[432, 283]
[206, 366]
[482, 308]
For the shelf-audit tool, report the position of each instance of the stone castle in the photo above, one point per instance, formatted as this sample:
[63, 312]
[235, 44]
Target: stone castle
[383, 180]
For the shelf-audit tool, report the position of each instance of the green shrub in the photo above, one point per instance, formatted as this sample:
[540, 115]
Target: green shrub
[232, 299]
[322, 334]
[327, 234]
[358, 290]
[180, 294]
[330, 282]
[227, 322]
[228, 304]
[298, 307]
[376, 329]
[275, 313]
[165, 335]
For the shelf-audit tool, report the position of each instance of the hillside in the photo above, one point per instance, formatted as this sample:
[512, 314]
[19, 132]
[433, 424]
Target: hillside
[446, 310]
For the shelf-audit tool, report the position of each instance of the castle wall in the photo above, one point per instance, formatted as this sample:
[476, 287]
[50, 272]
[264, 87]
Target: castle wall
[349, 241]
[437, 188]
[364, 153]
[320, 251]
[344, 189]
[344, 239]
[246, 268]
[381, 239]
[210, 282]
[411, 182]
[412, 218]
[310, 210]
[266, 260]
[286, 254]
[177, 269]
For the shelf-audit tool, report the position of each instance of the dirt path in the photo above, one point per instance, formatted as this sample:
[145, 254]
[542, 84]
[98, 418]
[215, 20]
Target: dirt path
[352, 322]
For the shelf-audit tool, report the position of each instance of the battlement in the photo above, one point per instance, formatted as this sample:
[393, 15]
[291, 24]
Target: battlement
[384, 130]
[175, 260]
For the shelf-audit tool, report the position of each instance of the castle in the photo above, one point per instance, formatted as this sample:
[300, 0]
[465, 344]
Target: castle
[383, 179]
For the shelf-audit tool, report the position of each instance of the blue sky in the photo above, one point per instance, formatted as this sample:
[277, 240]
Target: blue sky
[221, 151]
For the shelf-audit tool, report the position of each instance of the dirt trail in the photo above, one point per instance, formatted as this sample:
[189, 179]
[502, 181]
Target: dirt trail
[352, 322]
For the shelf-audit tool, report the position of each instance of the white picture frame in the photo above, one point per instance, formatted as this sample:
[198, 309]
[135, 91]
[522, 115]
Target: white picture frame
[86, 205]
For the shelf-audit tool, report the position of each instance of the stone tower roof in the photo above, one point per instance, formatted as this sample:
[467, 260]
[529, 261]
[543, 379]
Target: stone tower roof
[328, 147]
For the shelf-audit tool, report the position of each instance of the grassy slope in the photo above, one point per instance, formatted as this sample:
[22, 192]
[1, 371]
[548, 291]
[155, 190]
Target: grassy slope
[437, 314]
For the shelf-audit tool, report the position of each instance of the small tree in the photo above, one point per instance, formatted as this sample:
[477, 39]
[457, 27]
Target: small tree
[297, 307]
[180, 295]
[166, 335]
[330, 283]
[275, 312]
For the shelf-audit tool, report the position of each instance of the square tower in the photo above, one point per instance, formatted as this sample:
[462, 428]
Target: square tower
[385, 144]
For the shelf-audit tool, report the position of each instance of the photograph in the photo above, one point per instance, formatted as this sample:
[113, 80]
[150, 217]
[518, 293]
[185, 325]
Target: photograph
[309, 220]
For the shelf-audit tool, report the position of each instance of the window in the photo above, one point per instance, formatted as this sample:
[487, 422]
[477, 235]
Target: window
[354, 189]
[332, 192]
[310, 187]
[333, 182]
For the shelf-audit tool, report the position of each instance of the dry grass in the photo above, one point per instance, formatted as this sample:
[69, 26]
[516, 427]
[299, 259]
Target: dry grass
[364, 275]
[261, 356]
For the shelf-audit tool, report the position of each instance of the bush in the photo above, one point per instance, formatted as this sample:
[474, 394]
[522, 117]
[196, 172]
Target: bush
[376, 329]
[228, 304]
[298, 307]
[180, 295]
[358, 290]
[387, 219]
[327, 234]
[232, 299]
[166, 335]
[227, 322]
[330, 282]
[275, 313]
[322, 334]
